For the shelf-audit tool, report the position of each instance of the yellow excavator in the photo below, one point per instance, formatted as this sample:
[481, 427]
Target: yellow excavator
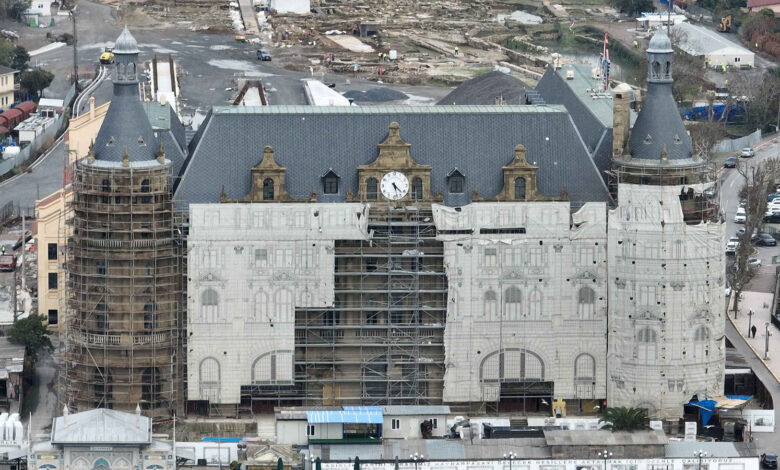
[725, 25]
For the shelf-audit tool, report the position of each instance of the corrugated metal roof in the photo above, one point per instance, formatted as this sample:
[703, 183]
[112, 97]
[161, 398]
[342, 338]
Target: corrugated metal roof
[413, 410]
[102, 426]
[698, 40]
[350, 414]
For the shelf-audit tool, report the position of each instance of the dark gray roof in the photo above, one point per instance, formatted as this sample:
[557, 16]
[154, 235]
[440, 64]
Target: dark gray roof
[168, 128]
[310, 140]
[126, 43]
[484, 89]
[126, 126]
[659, 126]
[6, 70]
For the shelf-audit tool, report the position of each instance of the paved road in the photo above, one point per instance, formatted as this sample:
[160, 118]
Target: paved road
[40, 182]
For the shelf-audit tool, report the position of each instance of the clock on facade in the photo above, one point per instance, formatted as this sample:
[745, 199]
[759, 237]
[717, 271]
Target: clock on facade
[394, 185]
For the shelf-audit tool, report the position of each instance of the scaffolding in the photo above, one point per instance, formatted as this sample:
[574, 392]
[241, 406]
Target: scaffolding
[121, 338]
[382, 342]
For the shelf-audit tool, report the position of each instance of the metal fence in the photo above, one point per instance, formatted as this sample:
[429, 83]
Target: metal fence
[12, 210]
[735, 145]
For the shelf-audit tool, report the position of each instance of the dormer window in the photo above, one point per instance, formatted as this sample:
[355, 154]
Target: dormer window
[648, 139]
[141, 142]
[371, 188]
[330, 182]
[677, 139]
[268, 189]
[110, 142]
[456, 181]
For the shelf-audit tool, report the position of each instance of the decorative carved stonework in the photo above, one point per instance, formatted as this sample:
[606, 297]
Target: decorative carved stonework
[520, 181]
[394, 155]
[267, 171]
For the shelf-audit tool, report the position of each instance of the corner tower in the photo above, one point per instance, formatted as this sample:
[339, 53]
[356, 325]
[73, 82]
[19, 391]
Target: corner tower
[667, 267]
[123, 288]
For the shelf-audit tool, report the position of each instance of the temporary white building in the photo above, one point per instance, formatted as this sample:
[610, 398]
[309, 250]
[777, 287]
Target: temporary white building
[300, 7]
[717, 51]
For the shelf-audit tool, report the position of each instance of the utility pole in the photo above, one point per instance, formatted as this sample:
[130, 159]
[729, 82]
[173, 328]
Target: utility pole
[766, 341]
[72, 12]
[24, 243]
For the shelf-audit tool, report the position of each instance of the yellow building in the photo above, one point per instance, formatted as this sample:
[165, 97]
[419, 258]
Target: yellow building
[6, 87]
[50, 213]
[84, 129]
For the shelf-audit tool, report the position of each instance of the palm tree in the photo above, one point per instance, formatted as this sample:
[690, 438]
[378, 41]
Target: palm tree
[624, 419]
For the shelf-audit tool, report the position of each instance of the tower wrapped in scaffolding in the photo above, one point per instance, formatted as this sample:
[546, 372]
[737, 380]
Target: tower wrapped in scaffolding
[123, 288]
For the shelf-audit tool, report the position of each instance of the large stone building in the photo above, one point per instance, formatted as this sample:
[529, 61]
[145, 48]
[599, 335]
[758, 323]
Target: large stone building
[397, 255]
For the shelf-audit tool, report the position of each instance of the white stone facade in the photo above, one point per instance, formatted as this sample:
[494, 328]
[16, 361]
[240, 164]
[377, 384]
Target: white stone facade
[539, 296]
[249, 267]
[666, 304]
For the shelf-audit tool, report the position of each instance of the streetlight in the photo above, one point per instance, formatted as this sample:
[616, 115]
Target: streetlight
[510, 456]
[219, 447]
[700, 454]
[416, 458]
[750, 320]
[766, 341]
[605, 454]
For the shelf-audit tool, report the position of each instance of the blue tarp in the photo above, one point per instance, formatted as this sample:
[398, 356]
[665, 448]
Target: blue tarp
[706, 409]
[349, 414]
[739, 397]
[221, 439]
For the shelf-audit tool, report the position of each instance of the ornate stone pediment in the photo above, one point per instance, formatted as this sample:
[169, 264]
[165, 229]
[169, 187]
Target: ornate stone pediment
[268, 182]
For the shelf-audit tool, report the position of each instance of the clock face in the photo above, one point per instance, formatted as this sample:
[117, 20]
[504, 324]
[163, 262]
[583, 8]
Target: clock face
[394, 185]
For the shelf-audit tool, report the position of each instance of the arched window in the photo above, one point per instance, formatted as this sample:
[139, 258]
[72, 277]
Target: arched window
[535, 304]
[647, 345]
[150, 315]
[268, 189]
[586, 299]
[101, 464]
[145, 188]
[520, 189]
[371, 191]
[283, 305]
[511, 365]
[150, 388]
[106, 189]
[585, 367]
[417, 189]
[701, 339]
[656, 69]
[668, 70]
[273, 368]
[491, 305]
[513, 303]
[209, 371]
[209, 312]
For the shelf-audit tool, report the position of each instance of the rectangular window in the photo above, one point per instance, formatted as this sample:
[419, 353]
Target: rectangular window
[52, 251]
[435, 423]
[53, 316]
[210, 258]
[52, 281]
[587, 256]
[536, 256]
[395, 423]
[307, 258]
[100, 267]
[261, 257]
[310, 430]
[491, 257]
[283, 257]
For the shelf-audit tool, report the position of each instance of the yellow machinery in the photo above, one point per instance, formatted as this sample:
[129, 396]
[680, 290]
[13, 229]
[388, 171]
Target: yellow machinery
[107, 58]
[725, 25]
[559, 408]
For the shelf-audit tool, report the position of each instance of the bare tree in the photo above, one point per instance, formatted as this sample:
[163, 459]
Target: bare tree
[705, 135]
[759, 182]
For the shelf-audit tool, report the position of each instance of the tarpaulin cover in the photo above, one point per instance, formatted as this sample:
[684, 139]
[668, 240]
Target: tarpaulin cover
[706, 409]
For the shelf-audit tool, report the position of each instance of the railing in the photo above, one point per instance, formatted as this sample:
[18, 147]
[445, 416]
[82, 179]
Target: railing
[117, 340]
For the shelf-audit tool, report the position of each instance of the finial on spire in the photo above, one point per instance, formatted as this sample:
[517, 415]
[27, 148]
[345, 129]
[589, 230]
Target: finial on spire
[126, 159]
[161, 153]
[664, 155]
[223, 195]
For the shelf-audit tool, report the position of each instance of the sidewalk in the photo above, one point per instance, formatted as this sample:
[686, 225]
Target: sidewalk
[760, 303]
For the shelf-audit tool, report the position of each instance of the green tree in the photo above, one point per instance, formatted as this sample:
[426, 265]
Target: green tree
[32, 334]
[20, 59]
[624, 419]
[36, 80]
[13, 9]
[633, 7]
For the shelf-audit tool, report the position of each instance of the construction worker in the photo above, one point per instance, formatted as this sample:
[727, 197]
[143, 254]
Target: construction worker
[356, 67]
[384, 57]
[379, 57]
[636, 44]
[3, 249]
[456, 50]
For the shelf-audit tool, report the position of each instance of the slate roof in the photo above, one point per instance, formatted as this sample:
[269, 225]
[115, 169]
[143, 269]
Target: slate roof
[167, 126]
[310, 140]
[6, 70]
[102, 426]
[484, 89]
[591, 112]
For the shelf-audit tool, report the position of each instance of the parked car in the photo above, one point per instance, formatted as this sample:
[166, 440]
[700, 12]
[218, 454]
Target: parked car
[772, 218]
[732, 245]
[747, 152]
[7, 262]
[768, 460]
[740, 216]
[741, 204]
[728, 289]
[772, 196]
[754, 263]
[764, 239]
[730, 162]
[740, 231]
[263, 55]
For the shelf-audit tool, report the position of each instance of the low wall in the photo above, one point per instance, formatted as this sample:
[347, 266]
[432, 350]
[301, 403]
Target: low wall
[741, 463]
